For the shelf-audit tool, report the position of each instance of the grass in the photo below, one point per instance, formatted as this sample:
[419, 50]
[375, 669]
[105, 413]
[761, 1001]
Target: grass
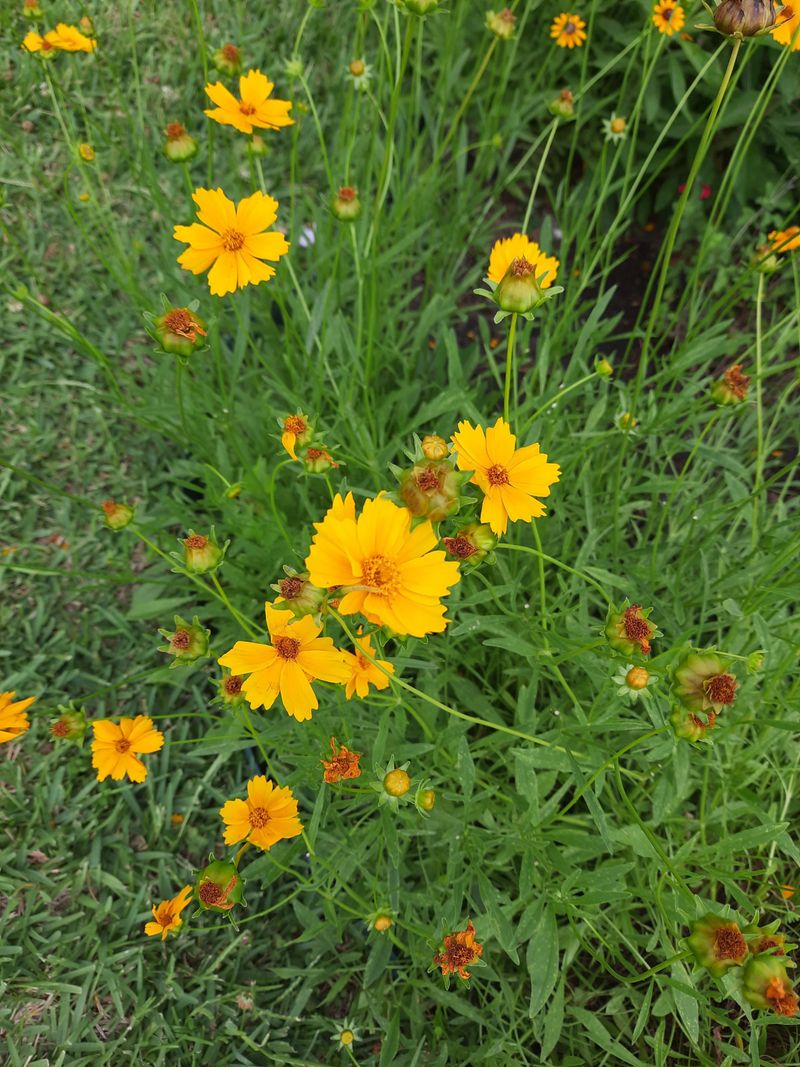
[579, 834]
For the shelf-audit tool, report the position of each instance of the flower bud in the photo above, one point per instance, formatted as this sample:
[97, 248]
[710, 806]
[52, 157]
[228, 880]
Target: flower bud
[766, 985]
[228, 60]
[117, 516]
[318, 460]
[717, 944]
[294, 68]
[31, 10]
[201, 554]
[179, 145]
[501, 23]
[397, 782]
[419, 7]
[382, 923]
[230, 689]
[434, 447]
[258, 146]
[346, 206]
[70, 725]
[765, 260]
[86, 152]
[630, 630]
[744, 18]
[755, 661]
[180, 331]
[426, 799]
[471, 544]
[637, 678]
[691, 727]
[297, 433]
[86, 25]
[603, 368]
[519, 290]
[219, 886]
[563, 107]
[187, 643]
[701, 683]
[296, 593]
[731, 389]
[431, 490]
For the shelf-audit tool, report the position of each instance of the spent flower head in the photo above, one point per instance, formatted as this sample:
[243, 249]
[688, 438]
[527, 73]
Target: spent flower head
[718, 944]
[187, 643]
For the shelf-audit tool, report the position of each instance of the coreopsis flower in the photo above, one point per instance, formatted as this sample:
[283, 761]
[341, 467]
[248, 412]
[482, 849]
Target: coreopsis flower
[298, 594]
[604, 368]
[501, 23]
[232, 240]
[267, 816]
[510, 478]
[744, 18]
[117, 516]
[228, 59]
[632, 682]
[471, 544]
[179, 146]
[390, 573]
[363, 672]
[13, 718]
[180, 331]
[70, 725]
[343, 764]
[519, 273]
[668, 17]
[784, 240]
[219, 886]
[254, 111]
[116, 746]
[731, 388]
[717, 944]
[188, 642]
[167, 915]
[786, 30]
[86, 152]
[630, 630]
[766, 985]
[568, 31]
[297, 432]
[459, 951]
[70, 39]
[431, 490]
[345, 205]
[359, 74]
[615, 128]
[296, 657]
[201, 553]
[32, 10]
[563, 107]
[702, 684]
[37, 44]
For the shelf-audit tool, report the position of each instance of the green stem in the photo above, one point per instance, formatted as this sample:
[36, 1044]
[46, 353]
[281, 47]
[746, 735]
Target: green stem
[512, 333]
[759, 471]
[539, 172]
[473, 85]
[558, 563]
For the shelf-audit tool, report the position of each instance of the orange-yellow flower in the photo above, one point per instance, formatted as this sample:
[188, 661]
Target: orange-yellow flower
[254, 110]
[287, 667]
[459, 950]
[231, 243]
[568, 31]
[520, 247]
[363, 673]
[787, 26]
[115, 747]
[668, 17]
[342, 764]
[70, 39]
[296, 431]
[389, 572]
[13, 720]
[510, 478]
[785, 240]
[268, 815]
[34, 42]
[167, 915]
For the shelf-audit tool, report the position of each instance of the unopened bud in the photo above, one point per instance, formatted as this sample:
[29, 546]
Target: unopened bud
[69, 726]
[219, 887]
[187, 643]
[296, 593]
[179, 145]
[426, 799]
[397, 783]
[472, 543]
[180, 331]
[318, 460]
[31, 9]
[563, 107]
[86, 152]
[419, 7]
[501, 23]
[201, 554]
[603, 368]
[519, 290]
[228, 60]
[117, 516]
[434, 447]
[744, 18]
[346, 206]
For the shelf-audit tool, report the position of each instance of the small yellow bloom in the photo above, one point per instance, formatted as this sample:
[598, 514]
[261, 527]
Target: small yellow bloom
[363, 673]
[296, 431]
[785, 240]
[510, 478]
[519, 247]
[668, 17]
[115, 747]
[787, 26]
[34, 42]
[254, 110]
[232, 241]
[70, 39]
[267, 816]
[13, 720]
[287, 667]
[86, 152]
[167, 915]
[568, 31]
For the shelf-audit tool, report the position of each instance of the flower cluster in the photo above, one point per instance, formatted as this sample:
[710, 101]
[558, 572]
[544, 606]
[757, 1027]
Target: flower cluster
[63, 38]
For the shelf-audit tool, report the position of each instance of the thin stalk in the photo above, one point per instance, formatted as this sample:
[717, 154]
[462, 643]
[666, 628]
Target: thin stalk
[512, 333]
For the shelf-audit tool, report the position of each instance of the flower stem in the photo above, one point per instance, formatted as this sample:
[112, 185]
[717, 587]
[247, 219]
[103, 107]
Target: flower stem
[759, 471]
[512, 332]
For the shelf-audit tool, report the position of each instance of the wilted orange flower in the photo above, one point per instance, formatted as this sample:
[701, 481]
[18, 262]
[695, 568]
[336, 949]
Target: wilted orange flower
[232, 241]
[668, 17]
[460, 950]
[521, 248]
[342, 764]
[510, 478]
[363, 673]
[13, 720]
[267, 816]
[787, 26]
[255, 110]
[568, 31]
[115, 747]
[167, 915]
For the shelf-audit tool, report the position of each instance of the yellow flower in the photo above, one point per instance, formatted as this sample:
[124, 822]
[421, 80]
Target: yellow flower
[388, 570]
[13, 720]
[296, 431]
[520, 247]
[362, 671]
[70, 39]
[287, 667]
[86, 152]
[232, 241]
[167, 914]
[668, 17]
[267, 816]
[787, 26]
[255, 110]
[568, 31]
[34, 42]
[511, 478]
[115, 746]
[785, 240]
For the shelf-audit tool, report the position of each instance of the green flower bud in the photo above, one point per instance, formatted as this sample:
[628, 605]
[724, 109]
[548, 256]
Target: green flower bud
[179, 146]
[755, 661]
[431, 490]
[717, 944]
[519, 290]
[228, 60]
[202, 554]
[117, 516]
[318, 460]
[258, 146]
[219, 886]
[346, 206]
[180, 332]
[419, 7]
[501, 23]
[603, 368]
[426, 799]
[187, 643]
[691, 726]
[563, 107]
[230, 689]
